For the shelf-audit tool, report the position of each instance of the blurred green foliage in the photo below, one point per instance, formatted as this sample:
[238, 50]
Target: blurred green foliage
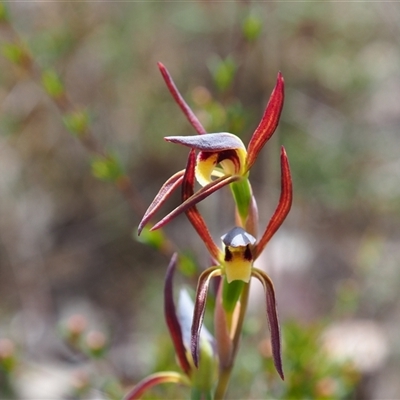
[8, 365]
[107, 168]
[52, 83]
[14, 52]
[252, 27]
[155, 239]
[77, 122]
[311, 372]
[223, 72]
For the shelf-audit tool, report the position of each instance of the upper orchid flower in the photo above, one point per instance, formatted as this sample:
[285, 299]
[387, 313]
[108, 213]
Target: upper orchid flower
[222, 157]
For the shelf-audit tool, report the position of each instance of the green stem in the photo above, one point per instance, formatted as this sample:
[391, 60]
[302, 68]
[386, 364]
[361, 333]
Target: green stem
[197, 394]
[225, 371]
[241, 191]
[231, 293]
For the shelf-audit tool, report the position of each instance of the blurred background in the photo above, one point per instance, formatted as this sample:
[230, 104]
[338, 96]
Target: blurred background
[69, 254]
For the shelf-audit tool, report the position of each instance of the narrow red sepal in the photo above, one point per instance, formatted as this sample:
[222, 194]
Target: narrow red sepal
[272, 316]
[283, 208]
[180, 100]
[199, 309]
[268, 123]
[153, 380]
[171, 318]
[169, 186]
[200, 195]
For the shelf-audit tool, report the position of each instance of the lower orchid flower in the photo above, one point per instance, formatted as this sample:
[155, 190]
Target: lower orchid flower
[200, 380]
[236, 264]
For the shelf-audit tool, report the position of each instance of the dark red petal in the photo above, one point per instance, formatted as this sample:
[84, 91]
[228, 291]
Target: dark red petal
[171, 317]
[181, 102]
[165, 191]
[272, 317]
[153, 380]
[212, 142]
[268, 123]
[199, 309]
[283, 208]
[192, 213]
[200, 195]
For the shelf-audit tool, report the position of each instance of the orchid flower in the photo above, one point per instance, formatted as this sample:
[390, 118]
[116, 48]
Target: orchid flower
[216, 160]
[236, 263]
[222, 157]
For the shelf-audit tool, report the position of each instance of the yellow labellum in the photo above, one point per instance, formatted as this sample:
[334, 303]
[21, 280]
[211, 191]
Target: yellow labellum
[204, 169]
[231, 162]
[237, 266]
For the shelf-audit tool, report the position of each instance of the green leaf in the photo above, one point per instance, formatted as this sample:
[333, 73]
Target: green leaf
[77, 122]
[217, 116]
[187, 265]
[4, 14]
[52, 83]
[7, 356]
[112, 388]
[251, 27]
[9, 124]
[15, 52]
[236, 117]
[223, 72]
[155, 239]
[107, 168]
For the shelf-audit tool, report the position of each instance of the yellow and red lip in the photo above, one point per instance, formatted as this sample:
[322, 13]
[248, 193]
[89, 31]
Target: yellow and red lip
[220, 154]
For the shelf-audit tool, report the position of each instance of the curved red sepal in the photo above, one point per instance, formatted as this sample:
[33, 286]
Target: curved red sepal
[268, 123]
[166, 189]
[272, 316]
[283, 208]
[180, 100]
[199, 309]
[200, 195]
[153, 380]
[171, 318]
